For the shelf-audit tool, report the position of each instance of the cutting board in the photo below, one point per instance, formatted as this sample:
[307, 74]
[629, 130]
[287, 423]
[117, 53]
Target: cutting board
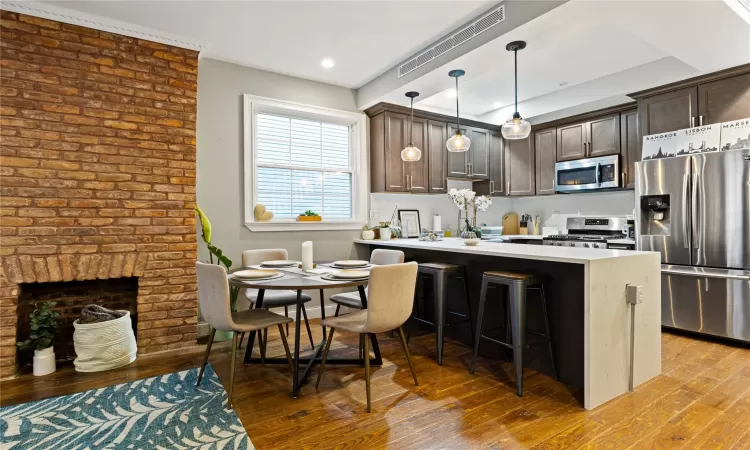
[510, 223]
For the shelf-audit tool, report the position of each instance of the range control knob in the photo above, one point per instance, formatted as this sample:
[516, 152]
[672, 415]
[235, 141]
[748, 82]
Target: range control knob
[587, 245]
[595, 245]
[572, 244]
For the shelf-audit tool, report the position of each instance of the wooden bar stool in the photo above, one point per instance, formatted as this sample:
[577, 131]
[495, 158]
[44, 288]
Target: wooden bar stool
[441, 273]
[518, 284]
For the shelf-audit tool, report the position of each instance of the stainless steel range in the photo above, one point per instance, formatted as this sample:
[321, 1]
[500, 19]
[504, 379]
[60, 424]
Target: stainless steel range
[593, 232]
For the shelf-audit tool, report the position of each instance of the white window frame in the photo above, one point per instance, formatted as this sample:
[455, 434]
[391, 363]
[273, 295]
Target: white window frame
[357, 122]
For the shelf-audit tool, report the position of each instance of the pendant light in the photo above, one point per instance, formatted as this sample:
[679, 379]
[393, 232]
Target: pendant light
[458, 142]
[516, 127]
[411, 152]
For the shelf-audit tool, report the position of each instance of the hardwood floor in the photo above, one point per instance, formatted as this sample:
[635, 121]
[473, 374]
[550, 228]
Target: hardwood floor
[702, 400]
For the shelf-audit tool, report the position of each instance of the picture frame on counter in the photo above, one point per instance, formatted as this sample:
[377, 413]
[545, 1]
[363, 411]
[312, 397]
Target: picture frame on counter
[411, 226]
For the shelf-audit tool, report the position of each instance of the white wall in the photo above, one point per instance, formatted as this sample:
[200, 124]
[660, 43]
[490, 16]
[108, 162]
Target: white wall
[220, 159]
[595, 203]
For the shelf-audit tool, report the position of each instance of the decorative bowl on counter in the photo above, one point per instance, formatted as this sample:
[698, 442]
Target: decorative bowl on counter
[470, 238]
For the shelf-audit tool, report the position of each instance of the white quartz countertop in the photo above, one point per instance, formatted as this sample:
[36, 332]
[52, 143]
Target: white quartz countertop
[523, 251]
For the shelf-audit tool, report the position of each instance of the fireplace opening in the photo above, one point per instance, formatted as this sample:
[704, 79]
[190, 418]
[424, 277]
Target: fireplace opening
[70, 297]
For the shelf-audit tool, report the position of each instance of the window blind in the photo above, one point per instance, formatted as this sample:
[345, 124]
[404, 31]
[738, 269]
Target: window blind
[302, 165]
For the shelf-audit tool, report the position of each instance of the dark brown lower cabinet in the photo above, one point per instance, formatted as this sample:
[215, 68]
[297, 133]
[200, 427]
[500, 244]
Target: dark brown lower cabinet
[545, 147]
[519, 163]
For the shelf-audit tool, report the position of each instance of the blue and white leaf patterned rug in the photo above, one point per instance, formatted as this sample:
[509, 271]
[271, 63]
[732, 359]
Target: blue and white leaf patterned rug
[164, 412]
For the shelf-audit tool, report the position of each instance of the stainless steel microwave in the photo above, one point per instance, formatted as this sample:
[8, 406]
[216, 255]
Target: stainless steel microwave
[588, 174]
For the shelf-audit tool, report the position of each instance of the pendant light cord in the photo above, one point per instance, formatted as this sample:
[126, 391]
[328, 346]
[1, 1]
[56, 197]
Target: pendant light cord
[458, 126]
[515, 75]
[411, 126]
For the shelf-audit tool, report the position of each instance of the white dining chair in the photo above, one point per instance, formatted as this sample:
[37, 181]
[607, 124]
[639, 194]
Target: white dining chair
[389, 305]
[273, 298]
[380, 257]
[215, 306]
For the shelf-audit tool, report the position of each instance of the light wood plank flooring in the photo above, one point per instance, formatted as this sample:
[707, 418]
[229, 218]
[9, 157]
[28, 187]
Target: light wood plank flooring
[702, 400]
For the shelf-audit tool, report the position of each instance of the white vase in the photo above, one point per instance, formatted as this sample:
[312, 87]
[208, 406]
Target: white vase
[44, 361]
[385, 234]
[368, 235]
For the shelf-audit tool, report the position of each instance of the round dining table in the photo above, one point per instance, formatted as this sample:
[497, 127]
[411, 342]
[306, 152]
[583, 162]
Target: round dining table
[294, 279]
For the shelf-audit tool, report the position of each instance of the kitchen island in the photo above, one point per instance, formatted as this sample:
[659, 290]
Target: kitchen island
[590, 320]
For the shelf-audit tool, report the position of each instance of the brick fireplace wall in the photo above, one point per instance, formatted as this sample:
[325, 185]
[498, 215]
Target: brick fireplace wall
[97, 171]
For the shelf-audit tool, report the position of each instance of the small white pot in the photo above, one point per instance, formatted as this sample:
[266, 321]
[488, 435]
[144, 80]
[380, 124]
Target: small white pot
[385, 234]
[368, 235]
[44, 361]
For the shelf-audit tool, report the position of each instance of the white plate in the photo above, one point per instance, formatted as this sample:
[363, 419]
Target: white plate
[350, 274]
[255, 274]
[331, 277]
[336, 266]
[351, 263]
[279, 263]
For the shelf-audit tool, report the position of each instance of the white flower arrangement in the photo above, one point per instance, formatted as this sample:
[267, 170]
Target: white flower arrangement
[482, 203]
[463, 198]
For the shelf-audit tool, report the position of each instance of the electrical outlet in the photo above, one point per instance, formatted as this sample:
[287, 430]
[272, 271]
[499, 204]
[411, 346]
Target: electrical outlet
[374, 214]
[634, 294]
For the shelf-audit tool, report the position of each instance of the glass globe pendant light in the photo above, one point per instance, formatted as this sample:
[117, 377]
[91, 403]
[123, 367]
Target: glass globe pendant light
[458, 142]
[411, 152]
[516, 127]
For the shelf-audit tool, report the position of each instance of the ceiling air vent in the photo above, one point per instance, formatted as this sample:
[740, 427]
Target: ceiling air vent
[482, 24]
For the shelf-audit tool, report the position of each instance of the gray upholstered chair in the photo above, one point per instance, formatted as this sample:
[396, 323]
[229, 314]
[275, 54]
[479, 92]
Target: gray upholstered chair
[273, 298]
[380, 257]
[214, 302]
[389, 306]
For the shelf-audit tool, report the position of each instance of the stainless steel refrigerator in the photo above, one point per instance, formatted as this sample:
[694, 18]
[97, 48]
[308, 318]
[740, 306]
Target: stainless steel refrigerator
[695, 211]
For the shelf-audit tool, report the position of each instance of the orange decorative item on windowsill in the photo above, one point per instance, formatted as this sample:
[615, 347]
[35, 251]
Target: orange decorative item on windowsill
[309, 216]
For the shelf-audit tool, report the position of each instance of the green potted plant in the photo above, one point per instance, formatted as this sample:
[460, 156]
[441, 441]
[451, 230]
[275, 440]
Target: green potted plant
[43, 323]
[368, 233]
[309, 216]
[221, 259]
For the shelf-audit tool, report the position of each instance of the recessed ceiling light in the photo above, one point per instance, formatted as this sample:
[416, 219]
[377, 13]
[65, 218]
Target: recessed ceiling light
[450, 93]
[564, 83]
[327, 63]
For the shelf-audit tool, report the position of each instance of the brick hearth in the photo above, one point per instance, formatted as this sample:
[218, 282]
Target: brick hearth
[97, 167]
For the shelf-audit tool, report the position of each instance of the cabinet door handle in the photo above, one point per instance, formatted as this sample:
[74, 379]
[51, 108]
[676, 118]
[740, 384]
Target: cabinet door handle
[692, 122]
[624, 179]
[584, 149]
[492, 187]
[700, 121]
[411, 182]
[507, 190]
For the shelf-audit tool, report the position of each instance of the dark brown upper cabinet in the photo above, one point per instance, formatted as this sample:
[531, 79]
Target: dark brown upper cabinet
[669, 111]
[597, 137]
[418, 172]
[479, 153]
[458, 162]
[724, 100]
[631, 146]
[389, 135]
[545, 147]
[603, 136]
[519, 163]
[437, 134]
[497, 164]
[571, 142]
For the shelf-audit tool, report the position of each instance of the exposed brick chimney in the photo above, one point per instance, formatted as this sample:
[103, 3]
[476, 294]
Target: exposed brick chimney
[97, 171]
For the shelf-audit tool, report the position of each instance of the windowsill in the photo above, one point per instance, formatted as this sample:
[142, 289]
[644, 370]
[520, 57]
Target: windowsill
[304, 226]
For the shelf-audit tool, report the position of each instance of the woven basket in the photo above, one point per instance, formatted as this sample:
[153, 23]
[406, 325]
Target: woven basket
[104, 345]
